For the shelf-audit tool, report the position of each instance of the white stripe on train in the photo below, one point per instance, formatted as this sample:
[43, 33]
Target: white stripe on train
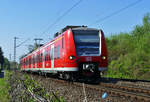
[60, 69]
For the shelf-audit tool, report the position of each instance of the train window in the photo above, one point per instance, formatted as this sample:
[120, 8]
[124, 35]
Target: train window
[52, 53]
[62, 42]
[41, 57]
[26, 62]
[55, 52]
[33, 60]
[29, 61]
[87, 42]
[58, 51]
[38, 58]
[45, 55]
[45, 58]
[49, 54]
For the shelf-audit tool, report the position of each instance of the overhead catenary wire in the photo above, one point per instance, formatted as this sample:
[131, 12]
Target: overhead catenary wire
[23, 42]
[115, 13]
[61, 16]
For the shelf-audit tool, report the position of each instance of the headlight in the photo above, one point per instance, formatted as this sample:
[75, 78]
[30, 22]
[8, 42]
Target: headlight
[71, 57]
[103, 57]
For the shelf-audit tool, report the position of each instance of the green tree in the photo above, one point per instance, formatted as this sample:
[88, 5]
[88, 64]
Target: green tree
[1, 58]
[129, 53]
[6, 64]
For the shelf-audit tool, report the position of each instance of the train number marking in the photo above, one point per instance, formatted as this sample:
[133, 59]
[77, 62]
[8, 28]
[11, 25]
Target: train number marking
[88, 58]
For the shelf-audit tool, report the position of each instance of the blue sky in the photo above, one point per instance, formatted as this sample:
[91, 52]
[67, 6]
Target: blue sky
[30, 18]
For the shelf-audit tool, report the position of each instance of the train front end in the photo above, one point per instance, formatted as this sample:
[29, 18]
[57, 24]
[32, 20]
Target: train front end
[88, 51]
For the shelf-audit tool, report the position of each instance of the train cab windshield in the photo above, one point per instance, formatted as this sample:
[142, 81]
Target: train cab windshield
[87, 42]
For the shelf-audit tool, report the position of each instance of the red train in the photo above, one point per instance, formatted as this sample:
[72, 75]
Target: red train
[76, 52]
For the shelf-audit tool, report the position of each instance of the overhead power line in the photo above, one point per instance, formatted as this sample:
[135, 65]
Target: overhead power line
[116, 12]
[61, 17]
[23, 42]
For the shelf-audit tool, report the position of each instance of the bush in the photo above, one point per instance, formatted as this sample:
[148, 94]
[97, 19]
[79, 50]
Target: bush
[129, 53]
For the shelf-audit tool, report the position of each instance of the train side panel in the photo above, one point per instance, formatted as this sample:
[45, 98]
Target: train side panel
[61, 55]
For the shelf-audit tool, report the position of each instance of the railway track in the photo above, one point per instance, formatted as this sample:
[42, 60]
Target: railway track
[136, 94]
[128, 88]
[133, 93]
[121, 79]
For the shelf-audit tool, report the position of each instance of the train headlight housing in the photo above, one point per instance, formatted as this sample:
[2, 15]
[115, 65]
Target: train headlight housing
[103, 57]
[71, 57]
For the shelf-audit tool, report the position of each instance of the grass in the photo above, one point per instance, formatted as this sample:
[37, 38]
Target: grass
[4, 96]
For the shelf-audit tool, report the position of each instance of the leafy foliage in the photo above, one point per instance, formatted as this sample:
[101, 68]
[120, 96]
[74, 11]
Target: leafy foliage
[6, 63]
[129, 53]
[1, 57]
[23, 88]
[4, 88]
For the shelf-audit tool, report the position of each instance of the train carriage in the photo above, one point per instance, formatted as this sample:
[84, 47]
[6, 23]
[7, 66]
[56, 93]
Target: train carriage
[76, 52]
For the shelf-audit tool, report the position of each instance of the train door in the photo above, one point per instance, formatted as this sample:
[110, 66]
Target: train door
[35, 61]
[62, 51]
[52, 56]
[43, 59]
[100, 42]
[31, 61]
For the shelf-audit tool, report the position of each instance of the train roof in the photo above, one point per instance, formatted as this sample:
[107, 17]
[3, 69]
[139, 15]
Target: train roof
[82, 28]
[77, 28]
[56, 35]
